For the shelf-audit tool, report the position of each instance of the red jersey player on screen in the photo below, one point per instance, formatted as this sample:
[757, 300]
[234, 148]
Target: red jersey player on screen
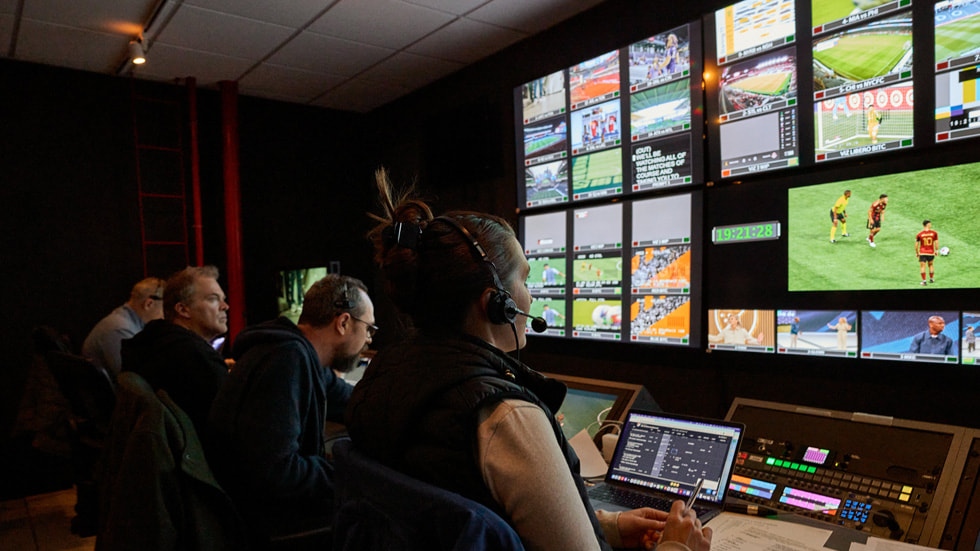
[925, 249]
[875, 214]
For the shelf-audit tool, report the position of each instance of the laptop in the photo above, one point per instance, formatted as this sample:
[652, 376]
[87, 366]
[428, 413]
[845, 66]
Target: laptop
[660, 457]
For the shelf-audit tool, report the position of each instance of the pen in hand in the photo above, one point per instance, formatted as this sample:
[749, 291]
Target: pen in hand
[694, 494]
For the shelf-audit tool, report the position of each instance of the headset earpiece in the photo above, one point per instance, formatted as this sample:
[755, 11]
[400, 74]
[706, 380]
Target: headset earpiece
[345, 302]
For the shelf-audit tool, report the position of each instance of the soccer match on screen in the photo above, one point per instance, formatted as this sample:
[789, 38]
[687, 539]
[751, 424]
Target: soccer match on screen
[898, 231]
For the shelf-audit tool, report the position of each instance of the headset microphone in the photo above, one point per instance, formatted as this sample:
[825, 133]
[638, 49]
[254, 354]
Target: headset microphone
[537, 323]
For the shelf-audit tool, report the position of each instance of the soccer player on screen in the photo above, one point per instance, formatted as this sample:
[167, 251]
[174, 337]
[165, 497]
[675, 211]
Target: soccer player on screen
[839, 212]
[875, 215]
[549, 315]
[874, 121]
[925, 249]
[548, 275]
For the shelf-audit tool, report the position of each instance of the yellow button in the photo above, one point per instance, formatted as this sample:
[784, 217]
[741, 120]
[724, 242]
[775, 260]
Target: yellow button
[904, 497]
[906, 489]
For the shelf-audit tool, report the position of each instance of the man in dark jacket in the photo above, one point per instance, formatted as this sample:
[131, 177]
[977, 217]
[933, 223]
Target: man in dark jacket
[267, 420]
[175, 353]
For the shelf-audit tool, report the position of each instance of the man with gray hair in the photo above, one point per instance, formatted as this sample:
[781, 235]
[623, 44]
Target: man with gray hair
[267, 420]
[175, 353]
[145, 304]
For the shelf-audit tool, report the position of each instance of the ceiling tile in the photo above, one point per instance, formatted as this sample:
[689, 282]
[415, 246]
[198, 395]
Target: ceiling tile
[413, 71]
[167, 62]
[324, 54]
[530, 17]
[68, 47]
[457, 7]
[295, 14]
[269, 80]
[466, 41]
[220, 33]
[385, 23]
[360, 95]
[119, 16]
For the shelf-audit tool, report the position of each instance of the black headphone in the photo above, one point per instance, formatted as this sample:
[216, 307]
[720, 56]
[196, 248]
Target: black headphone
[501, 308]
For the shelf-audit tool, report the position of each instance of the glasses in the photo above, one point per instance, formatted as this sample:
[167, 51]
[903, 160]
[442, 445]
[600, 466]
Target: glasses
[371, 328]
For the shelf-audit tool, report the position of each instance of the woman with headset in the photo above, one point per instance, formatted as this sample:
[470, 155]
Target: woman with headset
[450, 407]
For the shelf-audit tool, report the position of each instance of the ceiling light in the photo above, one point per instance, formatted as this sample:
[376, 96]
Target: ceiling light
[136, 54]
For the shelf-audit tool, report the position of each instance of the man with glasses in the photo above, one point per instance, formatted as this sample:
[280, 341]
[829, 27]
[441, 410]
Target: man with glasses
[145, 304]
[267, 421]
[176, 354]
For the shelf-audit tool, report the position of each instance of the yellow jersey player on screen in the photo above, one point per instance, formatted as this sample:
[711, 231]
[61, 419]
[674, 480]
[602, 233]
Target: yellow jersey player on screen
[839, 212]
[874, 122]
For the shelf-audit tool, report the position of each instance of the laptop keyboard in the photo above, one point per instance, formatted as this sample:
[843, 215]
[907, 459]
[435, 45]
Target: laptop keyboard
[633, 500]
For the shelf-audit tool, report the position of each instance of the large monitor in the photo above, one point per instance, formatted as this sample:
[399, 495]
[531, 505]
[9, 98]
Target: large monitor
[819, 260]
[741, 330]
[911, 336]
[957, 58]
[830, 333]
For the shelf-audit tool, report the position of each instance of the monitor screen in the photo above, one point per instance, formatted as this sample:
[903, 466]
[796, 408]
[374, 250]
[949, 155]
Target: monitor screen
[862, 56]
[660, 59]
[926, 336]
[554, 311]
[957, 58]
[817, 333]
[594, 81]
[759, 144]
[597, 318]
[753, 26]
[292, 286]
[597, 174]
[546, 184]
[593, 403]
[741, 330]
[863, 123]
[660, 111]
[545, 141]
[829, 16]
[596, 127]
[832, 254]
[971, 325]
[543, 97]
[597, 261]
[663, 162]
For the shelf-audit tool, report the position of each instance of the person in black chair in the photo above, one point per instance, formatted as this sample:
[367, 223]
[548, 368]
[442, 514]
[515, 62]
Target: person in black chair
[451, 408]
[267, 422]
[175, 353]
[103, 344]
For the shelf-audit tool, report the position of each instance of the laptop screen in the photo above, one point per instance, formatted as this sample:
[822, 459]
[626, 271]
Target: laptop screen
[670, 453]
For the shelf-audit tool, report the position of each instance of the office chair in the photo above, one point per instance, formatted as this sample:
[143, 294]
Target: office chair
[157, 491]
[91, 399]
[379, 508]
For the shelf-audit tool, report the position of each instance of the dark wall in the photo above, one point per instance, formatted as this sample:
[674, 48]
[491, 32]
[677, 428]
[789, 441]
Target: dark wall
[686, 380]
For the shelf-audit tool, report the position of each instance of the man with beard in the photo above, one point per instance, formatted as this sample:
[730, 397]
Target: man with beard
[267, 421]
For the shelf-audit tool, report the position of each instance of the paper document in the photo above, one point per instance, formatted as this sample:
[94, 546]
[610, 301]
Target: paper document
[878, 544]
[733, 532]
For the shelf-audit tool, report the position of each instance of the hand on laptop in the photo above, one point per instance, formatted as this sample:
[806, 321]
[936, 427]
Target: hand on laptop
[684, 527]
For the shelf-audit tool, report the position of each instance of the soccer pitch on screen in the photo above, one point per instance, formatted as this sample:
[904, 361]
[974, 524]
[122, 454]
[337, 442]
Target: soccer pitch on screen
[598, 269]
[825, 11]
[597, 171]
[938, 194]
[864, 53]
[957, 30]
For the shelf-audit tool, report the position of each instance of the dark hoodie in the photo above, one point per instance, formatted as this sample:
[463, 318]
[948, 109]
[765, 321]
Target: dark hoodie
[267, 428]
[180, 362]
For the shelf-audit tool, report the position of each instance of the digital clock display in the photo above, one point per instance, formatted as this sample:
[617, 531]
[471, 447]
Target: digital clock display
[740, 233]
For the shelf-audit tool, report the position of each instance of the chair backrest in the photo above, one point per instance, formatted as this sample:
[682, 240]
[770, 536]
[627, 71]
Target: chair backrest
[379, 508]
[157, 489]
[86, 386]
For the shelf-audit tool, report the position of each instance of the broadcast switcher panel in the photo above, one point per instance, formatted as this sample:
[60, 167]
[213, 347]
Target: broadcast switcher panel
[890, 478]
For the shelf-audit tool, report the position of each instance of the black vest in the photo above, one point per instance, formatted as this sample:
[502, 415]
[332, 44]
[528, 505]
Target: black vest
[417, 406]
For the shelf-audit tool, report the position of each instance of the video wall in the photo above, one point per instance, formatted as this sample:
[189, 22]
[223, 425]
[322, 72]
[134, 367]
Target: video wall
[804, 222]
